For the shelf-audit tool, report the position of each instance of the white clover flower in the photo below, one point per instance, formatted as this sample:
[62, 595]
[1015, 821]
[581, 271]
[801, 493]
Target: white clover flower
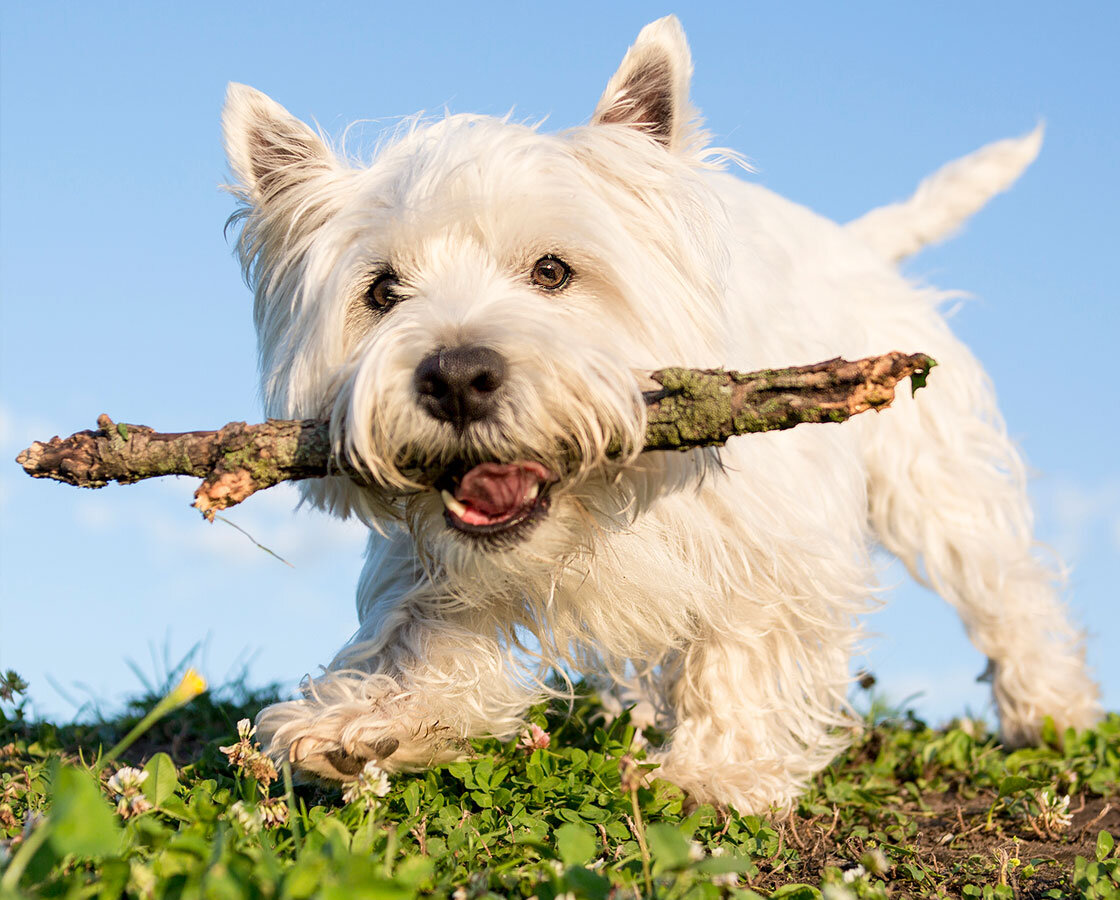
[1054, 810]
[248, 817]
[127, 807]
[127, 780]
[246, 756]
[460, 893]
[837, 892]
[724, 879]
[372, 782]
[125, 783]
[696, 851]
[273, 811]
[875, 861]
[534, 738]
[851, 875]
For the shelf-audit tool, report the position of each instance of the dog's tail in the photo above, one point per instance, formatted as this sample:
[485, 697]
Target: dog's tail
[946, 198]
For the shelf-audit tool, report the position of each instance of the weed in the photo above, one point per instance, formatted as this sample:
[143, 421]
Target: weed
[568, 810]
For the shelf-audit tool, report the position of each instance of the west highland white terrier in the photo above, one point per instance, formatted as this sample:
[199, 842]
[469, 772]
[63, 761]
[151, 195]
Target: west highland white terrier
[471, 311]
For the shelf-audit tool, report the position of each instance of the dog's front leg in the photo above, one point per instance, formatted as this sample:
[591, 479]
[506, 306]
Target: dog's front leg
[408, 696]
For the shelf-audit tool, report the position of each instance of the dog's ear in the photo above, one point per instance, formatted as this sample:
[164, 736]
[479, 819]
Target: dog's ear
[649, 91]
[269, 149]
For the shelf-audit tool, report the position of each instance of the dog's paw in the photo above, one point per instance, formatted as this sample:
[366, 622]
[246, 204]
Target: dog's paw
[327, 759]
[335, 742]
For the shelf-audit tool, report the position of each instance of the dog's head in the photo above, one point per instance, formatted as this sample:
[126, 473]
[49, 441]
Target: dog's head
[472, 309]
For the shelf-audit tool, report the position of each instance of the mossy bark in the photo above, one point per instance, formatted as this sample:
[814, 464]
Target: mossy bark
[705, 407]
[691, 408]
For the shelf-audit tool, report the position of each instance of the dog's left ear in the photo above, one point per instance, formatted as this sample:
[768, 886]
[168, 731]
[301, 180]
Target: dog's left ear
[269, 149]
[649, 91]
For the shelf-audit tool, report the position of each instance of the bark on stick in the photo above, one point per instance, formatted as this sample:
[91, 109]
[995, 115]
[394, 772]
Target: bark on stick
[686, 408]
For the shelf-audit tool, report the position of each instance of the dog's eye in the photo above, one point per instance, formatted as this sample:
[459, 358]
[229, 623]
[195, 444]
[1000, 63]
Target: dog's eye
[383, 292]
[551, 273]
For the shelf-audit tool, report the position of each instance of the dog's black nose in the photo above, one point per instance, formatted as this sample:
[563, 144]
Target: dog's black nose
[460, 385]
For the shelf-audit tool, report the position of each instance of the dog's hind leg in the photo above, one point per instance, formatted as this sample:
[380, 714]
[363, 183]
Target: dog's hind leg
[760, 708]
[948, 497]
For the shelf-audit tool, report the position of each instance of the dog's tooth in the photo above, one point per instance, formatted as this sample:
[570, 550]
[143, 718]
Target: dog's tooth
[451, 503]
[531, 494]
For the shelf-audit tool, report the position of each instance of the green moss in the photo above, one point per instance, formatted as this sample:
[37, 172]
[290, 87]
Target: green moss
[698, 410]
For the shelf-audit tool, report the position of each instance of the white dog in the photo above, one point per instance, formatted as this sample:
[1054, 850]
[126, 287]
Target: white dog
[470, 311]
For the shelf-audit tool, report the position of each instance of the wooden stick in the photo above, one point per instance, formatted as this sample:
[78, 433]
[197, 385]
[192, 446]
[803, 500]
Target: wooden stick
[686, 408]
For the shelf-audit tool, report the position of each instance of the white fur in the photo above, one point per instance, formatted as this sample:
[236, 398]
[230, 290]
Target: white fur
[721, 587]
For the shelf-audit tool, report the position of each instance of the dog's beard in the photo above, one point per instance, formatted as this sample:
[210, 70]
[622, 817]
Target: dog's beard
[536, 475]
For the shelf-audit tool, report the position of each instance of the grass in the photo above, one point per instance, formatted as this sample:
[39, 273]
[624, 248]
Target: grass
[907, 812]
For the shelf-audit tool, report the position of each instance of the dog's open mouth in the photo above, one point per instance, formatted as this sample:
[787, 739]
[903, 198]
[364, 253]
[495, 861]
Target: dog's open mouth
[492, 498]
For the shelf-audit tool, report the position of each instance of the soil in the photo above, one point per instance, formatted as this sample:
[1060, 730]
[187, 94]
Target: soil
[955, 844]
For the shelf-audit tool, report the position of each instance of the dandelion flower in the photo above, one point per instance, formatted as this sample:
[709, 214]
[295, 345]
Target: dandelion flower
[190, 686]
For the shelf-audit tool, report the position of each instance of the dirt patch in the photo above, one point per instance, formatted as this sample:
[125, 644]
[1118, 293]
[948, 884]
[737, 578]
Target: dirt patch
[945, 841]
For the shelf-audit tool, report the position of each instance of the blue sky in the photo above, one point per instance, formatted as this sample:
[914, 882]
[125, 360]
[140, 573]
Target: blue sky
[120, 293]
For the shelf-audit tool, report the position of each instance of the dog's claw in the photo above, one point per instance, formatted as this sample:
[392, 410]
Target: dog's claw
[349, 762]
[376, 749]
[294, 755]
[344, 762]
[383, 748]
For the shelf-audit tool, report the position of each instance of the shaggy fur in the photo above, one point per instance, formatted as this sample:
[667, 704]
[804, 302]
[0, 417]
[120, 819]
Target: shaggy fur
[721, 587]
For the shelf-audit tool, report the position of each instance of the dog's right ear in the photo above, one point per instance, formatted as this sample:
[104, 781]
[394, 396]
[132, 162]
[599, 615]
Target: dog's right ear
[269, 149]
[649, 92]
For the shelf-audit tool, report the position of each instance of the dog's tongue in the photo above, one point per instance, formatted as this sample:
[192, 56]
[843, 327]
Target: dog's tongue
[492, 492]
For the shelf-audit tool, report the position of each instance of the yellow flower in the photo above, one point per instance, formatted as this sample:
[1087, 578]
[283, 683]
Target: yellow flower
[191, 685]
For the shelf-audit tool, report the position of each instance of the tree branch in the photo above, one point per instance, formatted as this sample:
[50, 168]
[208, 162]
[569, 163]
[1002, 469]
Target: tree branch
[686, 408]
